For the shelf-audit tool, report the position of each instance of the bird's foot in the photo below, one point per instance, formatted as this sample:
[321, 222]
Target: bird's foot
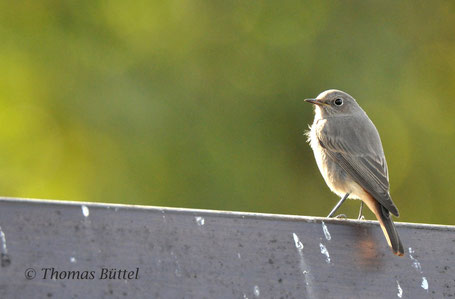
[341, 216]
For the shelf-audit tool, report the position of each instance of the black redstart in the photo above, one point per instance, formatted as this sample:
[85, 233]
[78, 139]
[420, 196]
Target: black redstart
[349, 154]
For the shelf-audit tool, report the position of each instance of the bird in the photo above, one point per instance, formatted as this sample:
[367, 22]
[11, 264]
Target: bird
[350, 157]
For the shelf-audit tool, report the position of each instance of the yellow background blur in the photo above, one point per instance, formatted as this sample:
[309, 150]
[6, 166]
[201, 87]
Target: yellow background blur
[200, 103]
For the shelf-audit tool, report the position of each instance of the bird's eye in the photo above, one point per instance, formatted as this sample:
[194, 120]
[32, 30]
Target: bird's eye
[338, 102]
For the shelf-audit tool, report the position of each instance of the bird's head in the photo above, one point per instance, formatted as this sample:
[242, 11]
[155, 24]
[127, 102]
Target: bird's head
[334, 102]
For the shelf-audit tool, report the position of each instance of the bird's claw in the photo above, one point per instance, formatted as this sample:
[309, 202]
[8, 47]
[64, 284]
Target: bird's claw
[341, 216]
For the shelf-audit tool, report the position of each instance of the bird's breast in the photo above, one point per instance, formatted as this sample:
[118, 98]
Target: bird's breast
[335, 176]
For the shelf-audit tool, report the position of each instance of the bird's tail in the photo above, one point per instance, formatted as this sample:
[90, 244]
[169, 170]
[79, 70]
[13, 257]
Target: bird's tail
[390, 231]
[387, 226]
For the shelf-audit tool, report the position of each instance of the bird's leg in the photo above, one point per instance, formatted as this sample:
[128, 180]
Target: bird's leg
[360, 212]
[338, 205]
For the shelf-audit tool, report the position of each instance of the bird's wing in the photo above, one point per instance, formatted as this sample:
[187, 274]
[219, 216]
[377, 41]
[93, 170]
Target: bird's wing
[359, 152]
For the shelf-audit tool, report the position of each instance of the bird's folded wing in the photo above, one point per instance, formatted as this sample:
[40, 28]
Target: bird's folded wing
[365, 167]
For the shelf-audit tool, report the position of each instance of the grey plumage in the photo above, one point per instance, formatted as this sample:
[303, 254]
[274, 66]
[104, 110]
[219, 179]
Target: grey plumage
[349, 154]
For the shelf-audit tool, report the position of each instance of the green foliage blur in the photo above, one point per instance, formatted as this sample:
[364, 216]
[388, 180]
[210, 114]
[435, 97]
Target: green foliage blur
[199, 104]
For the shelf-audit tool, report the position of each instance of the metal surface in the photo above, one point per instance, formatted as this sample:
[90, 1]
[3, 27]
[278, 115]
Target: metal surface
[181, 253]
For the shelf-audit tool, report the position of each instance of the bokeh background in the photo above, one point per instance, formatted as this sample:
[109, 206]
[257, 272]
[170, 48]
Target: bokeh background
[199, 104]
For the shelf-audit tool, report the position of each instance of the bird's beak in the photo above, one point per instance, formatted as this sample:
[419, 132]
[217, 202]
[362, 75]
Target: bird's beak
[315, 101]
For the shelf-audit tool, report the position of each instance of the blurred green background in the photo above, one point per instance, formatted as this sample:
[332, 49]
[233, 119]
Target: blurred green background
[199, 104]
